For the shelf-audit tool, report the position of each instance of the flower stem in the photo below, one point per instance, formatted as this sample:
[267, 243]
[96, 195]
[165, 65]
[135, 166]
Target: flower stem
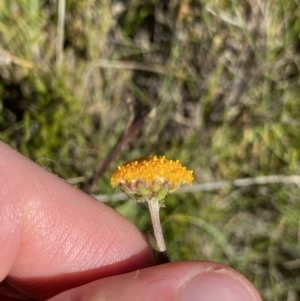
[154, 207]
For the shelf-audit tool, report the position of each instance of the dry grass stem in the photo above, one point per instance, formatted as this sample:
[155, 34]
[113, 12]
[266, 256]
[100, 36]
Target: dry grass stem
[8, 58]
[60, 32]
[211, 186]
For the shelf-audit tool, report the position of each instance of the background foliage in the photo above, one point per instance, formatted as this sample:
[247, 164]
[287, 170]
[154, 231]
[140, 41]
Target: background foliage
[217, 86]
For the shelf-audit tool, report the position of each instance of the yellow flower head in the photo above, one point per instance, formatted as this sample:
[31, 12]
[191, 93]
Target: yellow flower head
[151, 177]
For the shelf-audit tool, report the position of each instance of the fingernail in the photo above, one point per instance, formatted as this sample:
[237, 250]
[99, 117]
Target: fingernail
[215, 285]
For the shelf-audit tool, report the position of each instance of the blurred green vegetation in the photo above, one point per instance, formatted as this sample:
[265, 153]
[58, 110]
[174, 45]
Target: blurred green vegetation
[221, 80]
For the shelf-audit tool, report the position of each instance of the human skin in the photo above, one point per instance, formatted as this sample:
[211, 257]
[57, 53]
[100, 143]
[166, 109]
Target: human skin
[58, 243]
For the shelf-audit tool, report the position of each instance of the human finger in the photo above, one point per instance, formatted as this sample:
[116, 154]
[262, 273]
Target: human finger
[182, 281]
[57, 237]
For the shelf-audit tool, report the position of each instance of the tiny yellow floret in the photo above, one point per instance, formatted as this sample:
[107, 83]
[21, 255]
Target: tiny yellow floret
[148, 176]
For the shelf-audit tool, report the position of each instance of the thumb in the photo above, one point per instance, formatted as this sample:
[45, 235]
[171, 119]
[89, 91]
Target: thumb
[182, 281]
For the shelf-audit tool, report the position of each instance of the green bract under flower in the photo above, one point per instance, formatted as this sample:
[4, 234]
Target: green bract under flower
[151, 177]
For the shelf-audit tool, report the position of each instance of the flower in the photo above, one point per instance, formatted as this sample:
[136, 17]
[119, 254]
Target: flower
[151, 177]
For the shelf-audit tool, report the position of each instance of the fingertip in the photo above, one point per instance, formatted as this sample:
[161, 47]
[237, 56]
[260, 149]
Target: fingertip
[218, 283]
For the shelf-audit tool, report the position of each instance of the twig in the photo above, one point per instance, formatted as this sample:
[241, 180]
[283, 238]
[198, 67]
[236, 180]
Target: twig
[60, 32]
[134, 124]
[243, 182]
